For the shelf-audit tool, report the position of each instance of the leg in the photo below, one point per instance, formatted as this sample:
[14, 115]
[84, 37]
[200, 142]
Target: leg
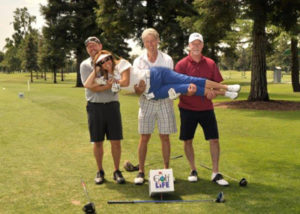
[166, 124]
[189, 123]
[189, 153]
[169, 76]
[215, 153]
[98, 154]
[142, 150]
[215, 85]
[116, 152]
[166, 149]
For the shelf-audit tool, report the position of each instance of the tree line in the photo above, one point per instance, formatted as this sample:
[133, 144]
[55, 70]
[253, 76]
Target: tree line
[251, 35]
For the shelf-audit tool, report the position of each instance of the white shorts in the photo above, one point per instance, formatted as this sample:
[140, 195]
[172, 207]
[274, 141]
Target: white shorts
[156, 110]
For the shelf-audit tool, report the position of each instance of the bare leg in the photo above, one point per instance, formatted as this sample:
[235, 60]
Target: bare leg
[98, 154]
[216, 85]
[142, 150]
[215, 153]
[166, 149]
[216, 92]
[116, 152]
[189, 153]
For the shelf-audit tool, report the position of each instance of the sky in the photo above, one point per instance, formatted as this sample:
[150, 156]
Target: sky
[7, 8]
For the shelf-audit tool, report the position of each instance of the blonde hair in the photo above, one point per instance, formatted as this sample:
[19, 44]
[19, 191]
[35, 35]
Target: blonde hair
[150, 31]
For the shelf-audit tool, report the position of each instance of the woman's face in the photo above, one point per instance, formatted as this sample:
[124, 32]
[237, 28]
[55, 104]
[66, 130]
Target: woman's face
[106, 63]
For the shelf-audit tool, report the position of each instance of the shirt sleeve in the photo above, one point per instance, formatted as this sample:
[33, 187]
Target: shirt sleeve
[85, 71]
[122, 66]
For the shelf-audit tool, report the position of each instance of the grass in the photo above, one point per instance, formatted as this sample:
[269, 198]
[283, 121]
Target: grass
[44, 152]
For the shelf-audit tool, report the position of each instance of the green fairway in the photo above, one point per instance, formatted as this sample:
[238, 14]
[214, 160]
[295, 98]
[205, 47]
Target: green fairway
[45, 151]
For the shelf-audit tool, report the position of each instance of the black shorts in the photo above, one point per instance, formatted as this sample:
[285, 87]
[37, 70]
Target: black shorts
[190, 119]
[104, 120]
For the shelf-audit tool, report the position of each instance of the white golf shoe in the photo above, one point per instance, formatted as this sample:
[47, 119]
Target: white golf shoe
[172, 94]
[193, 177]
[140, 178]
[234, 88]
[218, 179]
[231, 95]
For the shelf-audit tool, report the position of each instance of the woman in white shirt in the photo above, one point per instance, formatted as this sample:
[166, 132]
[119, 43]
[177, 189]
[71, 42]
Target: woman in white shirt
[160, 82]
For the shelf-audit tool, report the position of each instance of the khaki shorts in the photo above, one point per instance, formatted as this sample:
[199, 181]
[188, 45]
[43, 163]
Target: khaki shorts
[156, 110]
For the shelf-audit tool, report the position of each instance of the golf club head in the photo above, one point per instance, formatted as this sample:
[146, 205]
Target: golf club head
[129, 167]
[220, 198]
[243, 182]
[89, 208]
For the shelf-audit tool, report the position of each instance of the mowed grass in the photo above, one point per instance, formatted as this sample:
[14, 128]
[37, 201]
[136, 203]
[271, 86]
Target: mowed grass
[45, 151]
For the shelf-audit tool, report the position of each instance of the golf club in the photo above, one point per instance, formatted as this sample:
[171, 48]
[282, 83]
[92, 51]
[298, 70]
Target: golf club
[89, 207]
[219, 199]
[243, 182]
[171, 158]
[128, 166]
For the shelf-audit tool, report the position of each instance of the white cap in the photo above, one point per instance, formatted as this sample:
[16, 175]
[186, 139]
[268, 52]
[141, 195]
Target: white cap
[195, 36]
[102, 56]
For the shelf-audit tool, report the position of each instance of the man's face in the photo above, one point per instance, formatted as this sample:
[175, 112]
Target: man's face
[93, 48]
[150, 43]
[196, 47]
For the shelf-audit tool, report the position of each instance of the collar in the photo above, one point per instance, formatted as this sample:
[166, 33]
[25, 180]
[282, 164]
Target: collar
[193, 61]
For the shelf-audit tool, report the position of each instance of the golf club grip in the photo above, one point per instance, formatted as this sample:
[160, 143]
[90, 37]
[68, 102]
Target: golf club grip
[120, 202]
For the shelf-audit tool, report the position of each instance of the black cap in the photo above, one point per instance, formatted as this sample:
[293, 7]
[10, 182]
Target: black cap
[92, 39]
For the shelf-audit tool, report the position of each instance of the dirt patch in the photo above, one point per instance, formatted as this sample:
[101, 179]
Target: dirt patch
[272, 105]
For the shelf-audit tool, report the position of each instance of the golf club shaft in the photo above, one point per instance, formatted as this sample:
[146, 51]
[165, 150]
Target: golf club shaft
[85, 190]
[160, 201]
[172, 158]
[206, 167]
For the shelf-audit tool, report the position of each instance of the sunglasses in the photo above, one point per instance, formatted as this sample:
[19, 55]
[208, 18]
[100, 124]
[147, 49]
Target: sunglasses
[104, 60]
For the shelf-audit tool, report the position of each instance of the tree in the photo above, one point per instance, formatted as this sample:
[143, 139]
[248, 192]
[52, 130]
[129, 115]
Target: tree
[31, 49]
[264, 13]
[213, 21]
[73, 21]
[131, 17]
[22, 26]
[287, 16]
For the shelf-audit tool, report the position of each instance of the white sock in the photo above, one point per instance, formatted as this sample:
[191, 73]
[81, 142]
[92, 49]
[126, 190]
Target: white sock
[213, 175]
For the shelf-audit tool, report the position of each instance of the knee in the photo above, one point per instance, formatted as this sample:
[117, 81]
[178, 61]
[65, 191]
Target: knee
[214, 141]
[164, 138]
[98, 144]
[188, 143]
[145, 138]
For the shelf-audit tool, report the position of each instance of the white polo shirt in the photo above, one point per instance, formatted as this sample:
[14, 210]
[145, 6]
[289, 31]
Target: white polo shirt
[162, 59]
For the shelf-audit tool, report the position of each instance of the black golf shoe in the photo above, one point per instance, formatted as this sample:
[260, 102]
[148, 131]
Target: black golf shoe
[99, 179]
[118, 177]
